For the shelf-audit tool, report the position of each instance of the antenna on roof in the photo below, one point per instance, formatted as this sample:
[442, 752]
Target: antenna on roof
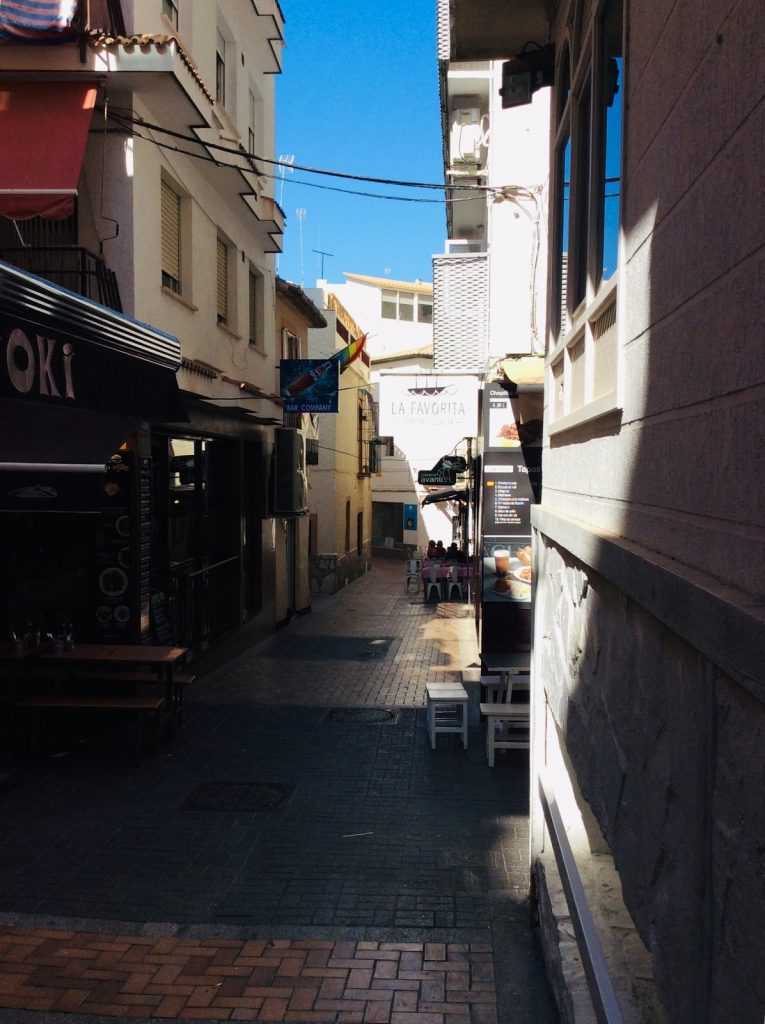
[322, 253]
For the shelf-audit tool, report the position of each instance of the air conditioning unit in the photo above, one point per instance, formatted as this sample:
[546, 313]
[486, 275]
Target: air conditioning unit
[461, 246]
[290, 489]
[465, 131]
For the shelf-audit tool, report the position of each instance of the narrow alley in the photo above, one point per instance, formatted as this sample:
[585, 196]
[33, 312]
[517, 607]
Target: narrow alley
[296, 853]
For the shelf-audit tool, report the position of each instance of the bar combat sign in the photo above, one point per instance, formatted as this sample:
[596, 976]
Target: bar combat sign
[42, 367]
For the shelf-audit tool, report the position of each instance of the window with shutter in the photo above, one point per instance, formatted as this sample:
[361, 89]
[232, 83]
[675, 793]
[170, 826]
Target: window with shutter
[220, 69]
[171, 238]
[222, 280]
[251, 127]
[255, 304]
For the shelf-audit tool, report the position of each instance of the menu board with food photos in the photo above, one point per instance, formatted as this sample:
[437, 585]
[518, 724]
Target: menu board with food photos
[511, 480]
[506, 538]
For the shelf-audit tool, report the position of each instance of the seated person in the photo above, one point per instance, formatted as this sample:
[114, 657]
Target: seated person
[440, 551]
[452, 553]
[431, 549]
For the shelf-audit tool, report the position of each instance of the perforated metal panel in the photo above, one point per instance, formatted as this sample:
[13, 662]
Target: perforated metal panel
[460, 312]
[443, 29]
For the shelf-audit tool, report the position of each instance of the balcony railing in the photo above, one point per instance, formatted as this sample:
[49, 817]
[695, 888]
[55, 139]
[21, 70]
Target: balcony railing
[70, 266]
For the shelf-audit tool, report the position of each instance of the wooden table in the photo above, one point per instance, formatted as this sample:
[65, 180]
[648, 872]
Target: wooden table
[509, 665]
[163, 659]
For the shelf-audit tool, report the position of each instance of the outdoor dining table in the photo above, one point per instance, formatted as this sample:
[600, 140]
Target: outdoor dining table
[162, 659]
[508, 665]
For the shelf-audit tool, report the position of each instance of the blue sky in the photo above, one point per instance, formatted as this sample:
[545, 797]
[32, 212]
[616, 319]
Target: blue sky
[359, 93]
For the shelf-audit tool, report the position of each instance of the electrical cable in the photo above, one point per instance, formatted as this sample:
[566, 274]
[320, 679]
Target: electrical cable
[308, 184]
[238, 151]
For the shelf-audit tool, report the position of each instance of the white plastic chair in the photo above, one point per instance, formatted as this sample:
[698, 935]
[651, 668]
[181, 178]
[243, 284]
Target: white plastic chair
[432, 582]
[413, 572]
[453, 580]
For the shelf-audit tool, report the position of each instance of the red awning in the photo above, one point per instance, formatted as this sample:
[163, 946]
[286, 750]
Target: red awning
[44, 129]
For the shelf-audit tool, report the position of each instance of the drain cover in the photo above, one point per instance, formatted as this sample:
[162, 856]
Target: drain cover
[362, 716]
[238, 796]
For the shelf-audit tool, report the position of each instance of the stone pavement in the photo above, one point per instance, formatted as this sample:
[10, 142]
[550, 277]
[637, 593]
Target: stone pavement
[370, 644]
[273, 819]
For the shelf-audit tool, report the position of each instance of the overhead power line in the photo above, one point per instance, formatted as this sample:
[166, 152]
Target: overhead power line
[297, 181]
[253, 157]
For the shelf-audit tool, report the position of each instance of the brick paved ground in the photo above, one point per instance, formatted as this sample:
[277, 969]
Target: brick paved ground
[218, 979]
[378, 841]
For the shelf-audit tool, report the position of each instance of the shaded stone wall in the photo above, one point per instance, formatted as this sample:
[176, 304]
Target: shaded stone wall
[668, 754]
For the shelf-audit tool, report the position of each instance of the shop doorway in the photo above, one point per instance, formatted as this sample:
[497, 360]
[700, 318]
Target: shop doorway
[388, 525]
[196, 538]
[291, 566]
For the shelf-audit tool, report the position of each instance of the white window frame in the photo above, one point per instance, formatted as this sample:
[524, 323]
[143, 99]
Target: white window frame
[417, 299]
[574, 398]
[423, 300]
[290, 345]
[174, 16]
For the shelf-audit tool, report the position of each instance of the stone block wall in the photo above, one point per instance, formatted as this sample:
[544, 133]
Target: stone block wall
[329, 573]
[668, 754]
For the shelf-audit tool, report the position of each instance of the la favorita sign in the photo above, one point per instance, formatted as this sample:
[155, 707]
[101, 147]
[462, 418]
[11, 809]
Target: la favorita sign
[442, 403]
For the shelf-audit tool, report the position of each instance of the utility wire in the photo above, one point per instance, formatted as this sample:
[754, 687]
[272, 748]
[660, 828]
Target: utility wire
[252, 157]
[307, 184]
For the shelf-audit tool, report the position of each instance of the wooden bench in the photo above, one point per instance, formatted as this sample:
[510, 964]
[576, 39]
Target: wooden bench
[141, 707]
[516, 718]
[141, 677]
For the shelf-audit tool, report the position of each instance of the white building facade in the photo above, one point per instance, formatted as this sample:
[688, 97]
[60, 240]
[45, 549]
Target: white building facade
[489, 284]
[187, 241]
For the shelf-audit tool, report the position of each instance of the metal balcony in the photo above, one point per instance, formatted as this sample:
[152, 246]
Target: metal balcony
[70, 266]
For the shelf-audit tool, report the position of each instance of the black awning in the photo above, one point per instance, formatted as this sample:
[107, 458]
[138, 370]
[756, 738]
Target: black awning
[449, 494]
[59, 350]
[36, 435]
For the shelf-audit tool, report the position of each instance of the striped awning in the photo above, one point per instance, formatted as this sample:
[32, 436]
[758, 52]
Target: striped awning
[36, 21]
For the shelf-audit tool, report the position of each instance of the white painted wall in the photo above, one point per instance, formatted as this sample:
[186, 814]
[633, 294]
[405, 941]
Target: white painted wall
[212, 206]
[384, 337]
[518, 155]
[514, 228]
[421, 438]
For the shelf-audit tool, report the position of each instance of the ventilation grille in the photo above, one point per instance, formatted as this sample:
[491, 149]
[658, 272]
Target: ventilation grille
[460, 312]
[443, 30]
[565, 323]
[605, 322]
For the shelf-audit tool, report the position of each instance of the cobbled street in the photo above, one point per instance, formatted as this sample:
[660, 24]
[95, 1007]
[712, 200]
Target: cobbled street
[281, 859]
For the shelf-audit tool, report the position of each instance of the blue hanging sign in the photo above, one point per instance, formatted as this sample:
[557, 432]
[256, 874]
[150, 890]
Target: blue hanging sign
[410, 517]
[309, 385]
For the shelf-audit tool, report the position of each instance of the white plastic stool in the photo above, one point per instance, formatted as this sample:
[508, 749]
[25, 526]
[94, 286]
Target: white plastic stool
[413, 573]
[447, 711]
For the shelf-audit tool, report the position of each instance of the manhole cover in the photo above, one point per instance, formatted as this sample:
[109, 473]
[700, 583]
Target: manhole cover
[238, 796]
[363, 716]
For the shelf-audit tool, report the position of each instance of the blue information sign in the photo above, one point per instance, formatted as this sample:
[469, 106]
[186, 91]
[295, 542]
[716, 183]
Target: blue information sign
[410, 517]
[309, 385]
